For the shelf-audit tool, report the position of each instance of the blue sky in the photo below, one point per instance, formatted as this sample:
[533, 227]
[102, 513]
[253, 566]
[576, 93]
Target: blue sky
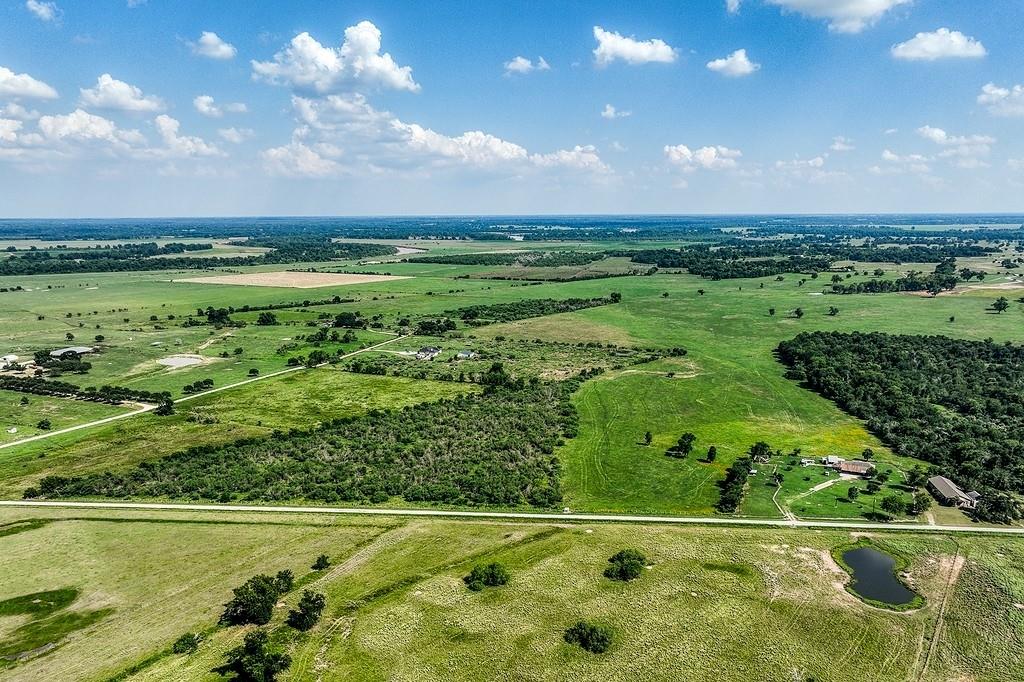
[160, 108]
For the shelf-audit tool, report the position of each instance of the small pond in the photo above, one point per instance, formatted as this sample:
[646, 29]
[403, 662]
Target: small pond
[874, 577]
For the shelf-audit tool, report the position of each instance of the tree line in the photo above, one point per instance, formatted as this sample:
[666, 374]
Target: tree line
[113, 395]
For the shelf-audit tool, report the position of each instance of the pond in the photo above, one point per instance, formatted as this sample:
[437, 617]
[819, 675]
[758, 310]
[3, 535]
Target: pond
[874, 577]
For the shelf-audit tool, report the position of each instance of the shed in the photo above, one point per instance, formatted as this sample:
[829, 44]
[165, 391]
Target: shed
[71, 350]
[950, 494]
[856, 466]
[466, 355]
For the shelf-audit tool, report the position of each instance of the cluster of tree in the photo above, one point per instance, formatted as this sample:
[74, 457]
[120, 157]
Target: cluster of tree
[198, 386]
[490, 575]
[67, 363]
[307, 612]
[625, 565]
[872, 251]
[719, 264]
[592, 637]
[951, 402]
[306, 303]
[253, 601]
[254, 660]
[113, 395]
[537, 259]
[735, 480]
[526, 308]
[349, 320]
[915, 281]
[137, 257]
[495, 448]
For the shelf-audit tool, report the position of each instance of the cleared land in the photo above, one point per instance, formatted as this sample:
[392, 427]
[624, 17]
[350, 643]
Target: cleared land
[292, 280]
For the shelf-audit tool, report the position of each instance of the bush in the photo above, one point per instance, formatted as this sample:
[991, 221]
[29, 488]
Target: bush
[187, 643]
[590, 636]
[491, 575]
[311, 605]
[322, 562]
[626, 565]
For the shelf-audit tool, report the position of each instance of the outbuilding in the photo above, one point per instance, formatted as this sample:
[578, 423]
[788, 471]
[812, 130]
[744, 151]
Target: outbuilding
[71, 350]
[856, 467]
[950, 494]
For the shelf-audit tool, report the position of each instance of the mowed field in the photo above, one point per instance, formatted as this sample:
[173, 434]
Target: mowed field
[713, 604]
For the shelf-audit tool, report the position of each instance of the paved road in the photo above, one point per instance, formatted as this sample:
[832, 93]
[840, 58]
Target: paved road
[148, 408]
[575, 518]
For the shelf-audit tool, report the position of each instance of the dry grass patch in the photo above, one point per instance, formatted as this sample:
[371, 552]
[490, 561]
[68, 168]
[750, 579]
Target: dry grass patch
[292, 280]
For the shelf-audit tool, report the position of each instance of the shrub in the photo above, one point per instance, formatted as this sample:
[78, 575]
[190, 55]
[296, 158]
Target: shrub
[590, 636]
[626, 565]
[322, 562]
[187, 643]
[491, 575]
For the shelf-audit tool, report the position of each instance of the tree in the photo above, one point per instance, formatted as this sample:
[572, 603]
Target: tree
[615, 297]
[284, 581]
[916, 477]
[833, 311]
[771, 312]
[590, 636]
[254, 372]
[99, 338]
[267, 319]
[867, 454]
[626, 565]
[491, 575]
[1001, 304]
[648, 437]
[852, 493]
[165, 408]
[798, 313]
[683, 446]
[922, 503]
[712, 453]
[44, 424]
[700, 291]
[253, 662]
[306, 615]
[322, 563]
[253, 602]
[69, 336]
[893, 504]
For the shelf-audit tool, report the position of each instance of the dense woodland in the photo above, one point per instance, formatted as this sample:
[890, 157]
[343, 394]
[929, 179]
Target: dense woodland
[957, 404]
[703, 261]
[495, 448]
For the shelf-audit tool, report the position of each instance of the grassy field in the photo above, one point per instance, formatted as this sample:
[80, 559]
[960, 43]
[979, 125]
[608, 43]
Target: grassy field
[61, 413]
[723, 604]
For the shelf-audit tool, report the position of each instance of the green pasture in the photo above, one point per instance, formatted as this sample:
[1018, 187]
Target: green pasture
[714, 603]
[60, 412]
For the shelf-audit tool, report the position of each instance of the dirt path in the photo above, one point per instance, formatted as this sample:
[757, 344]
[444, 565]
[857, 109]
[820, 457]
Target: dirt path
[955, 567]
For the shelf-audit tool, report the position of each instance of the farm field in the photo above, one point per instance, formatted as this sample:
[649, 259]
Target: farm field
[726, 604]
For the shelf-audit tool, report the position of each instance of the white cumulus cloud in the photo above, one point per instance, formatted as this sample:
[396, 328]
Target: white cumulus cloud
[207, 106]
[23, 85]
[843, 16]
[965, 150]
[181, 145]
[713, 157]
[1002, 101]
[307, 65]
[613, 46]
[841, 144]
[522, 65]
[939, 44]
[236, 135]
[735, 65]
[609, 112]
[81, 126]
[110, 93]
[44, 11]
[211, 45]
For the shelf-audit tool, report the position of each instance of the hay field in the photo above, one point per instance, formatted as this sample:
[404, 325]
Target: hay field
[291, 280]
